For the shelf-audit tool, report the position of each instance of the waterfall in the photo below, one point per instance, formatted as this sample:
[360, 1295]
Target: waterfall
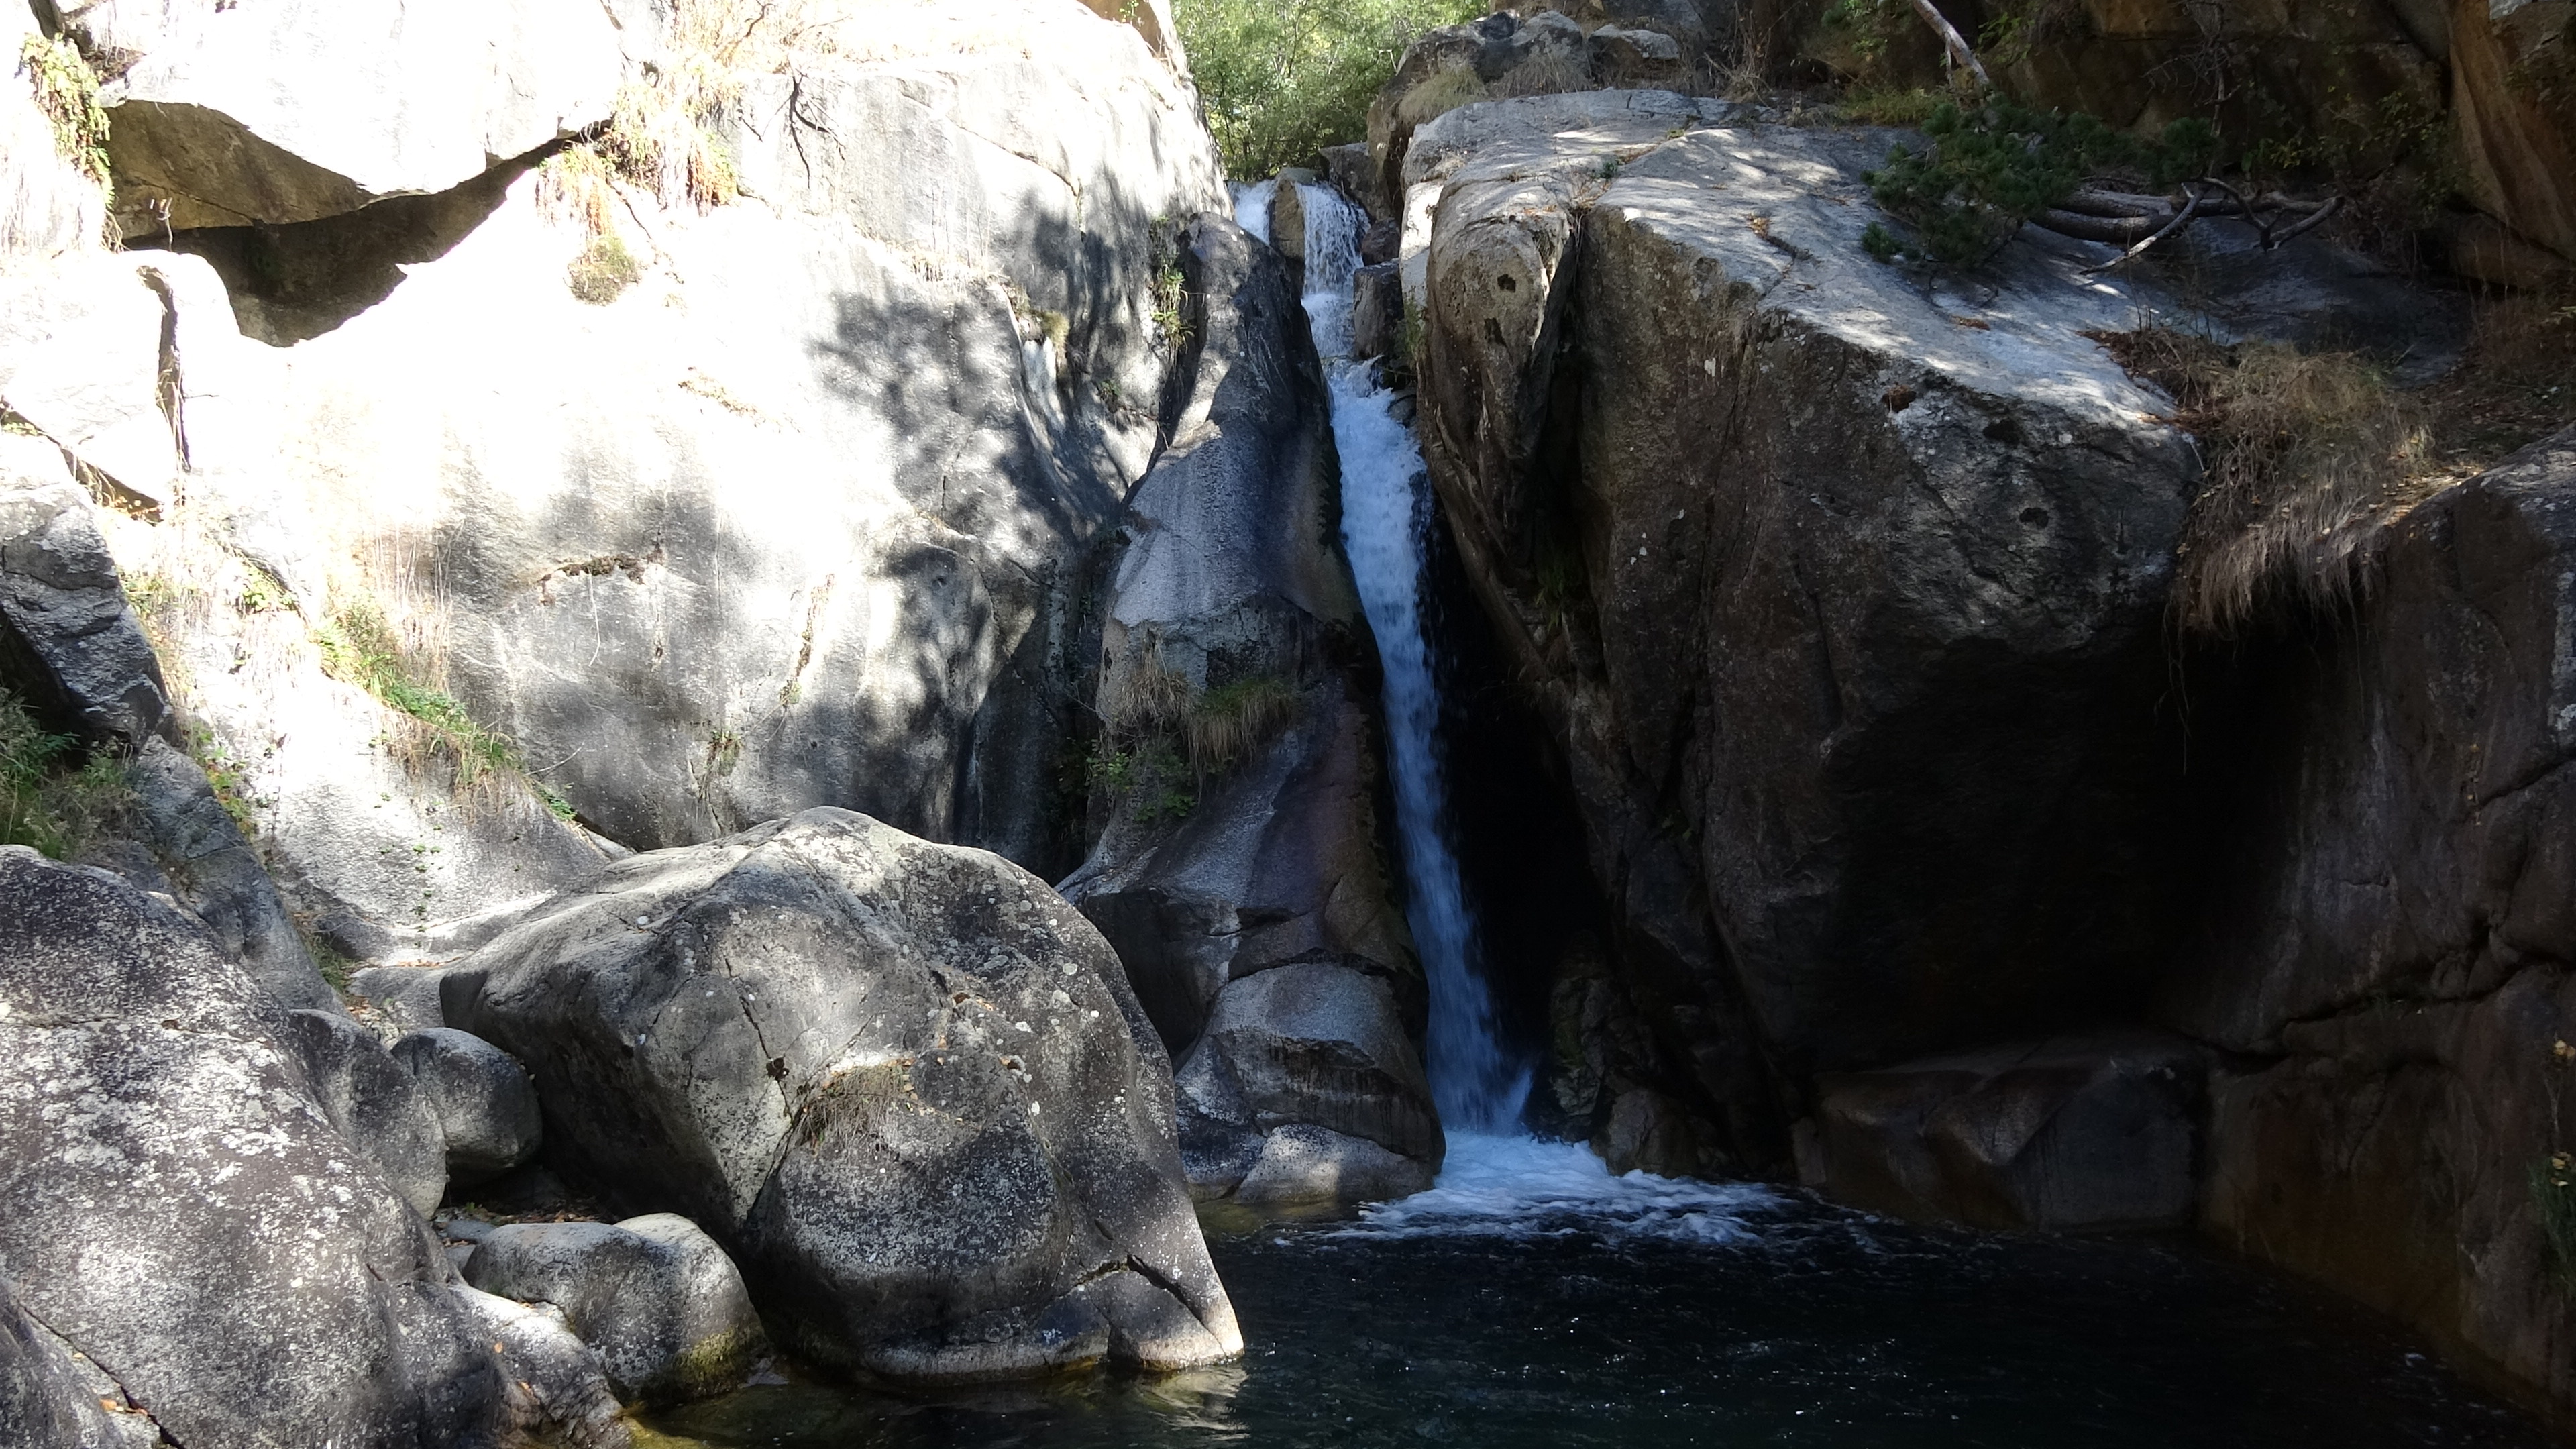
[1386, 517]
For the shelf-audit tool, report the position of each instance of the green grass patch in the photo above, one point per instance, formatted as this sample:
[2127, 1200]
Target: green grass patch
[358, 647]
[1285, 78]
[603, 271]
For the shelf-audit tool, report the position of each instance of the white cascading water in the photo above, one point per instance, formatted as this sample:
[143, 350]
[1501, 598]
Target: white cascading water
[1498, 1180]
[1386, 512]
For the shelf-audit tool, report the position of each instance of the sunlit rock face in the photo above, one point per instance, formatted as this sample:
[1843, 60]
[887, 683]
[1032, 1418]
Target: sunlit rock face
[788, 520]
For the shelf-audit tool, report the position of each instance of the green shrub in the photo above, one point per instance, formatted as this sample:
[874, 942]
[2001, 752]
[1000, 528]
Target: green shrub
[1285, 78]
[67, 92]
[603, 271]
[2553, 1201]
[1993, 168]
[54, 796]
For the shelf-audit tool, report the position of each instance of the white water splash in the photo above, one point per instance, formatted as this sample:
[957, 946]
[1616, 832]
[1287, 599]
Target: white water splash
[1252, 207]
[1522, 1188]
[1386, 510]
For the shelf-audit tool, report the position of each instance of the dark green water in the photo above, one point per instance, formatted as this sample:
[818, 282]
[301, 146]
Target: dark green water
[1638, 1313]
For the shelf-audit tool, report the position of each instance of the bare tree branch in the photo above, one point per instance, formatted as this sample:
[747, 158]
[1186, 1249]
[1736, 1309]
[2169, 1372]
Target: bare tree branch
[2182, 218]
[1955, 43]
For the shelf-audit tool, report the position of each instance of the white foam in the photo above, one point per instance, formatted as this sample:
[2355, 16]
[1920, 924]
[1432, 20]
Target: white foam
[1252, 207]
[1522, 1188]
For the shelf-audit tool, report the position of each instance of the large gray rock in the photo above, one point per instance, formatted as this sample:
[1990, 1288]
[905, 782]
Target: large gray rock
[228, 115]
[653, 1296]
[486, 1107]
[2087, 1132]
[46, 1401]
[379, 1107]
[1305, 1166]
[1845, 584]
[178, 1207]
[2391, 891]
[557, 1392]
[1309, 1044]
[904, 1083]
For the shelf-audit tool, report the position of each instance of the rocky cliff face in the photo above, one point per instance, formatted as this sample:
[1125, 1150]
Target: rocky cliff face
[514, 435]
[1845, 594]
[2382, 950]
[782, 514]
[1236, 683]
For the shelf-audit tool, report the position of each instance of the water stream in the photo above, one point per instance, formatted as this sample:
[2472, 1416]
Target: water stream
[1533, 1299]
[1386, 516]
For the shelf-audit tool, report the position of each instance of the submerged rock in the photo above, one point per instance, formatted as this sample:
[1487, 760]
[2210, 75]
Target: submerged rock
[904, 1083]
[1313, 1044]
[180, 1209]
[653, 1296]
[2073, 1133]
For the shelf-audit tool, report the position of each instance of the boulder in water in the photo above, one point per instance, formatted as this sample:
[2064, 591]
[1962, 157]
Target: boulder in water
[653, 1296]
[2072, 1133]
[904, 1083]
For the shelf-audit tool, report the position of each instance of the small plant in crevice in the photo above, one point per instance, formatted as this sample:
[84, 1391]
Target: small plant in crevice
[229, 778]
[55, 796]
[1229, 722]
[66, 89]
[603, 271]
[1170, 313]
[359, 647]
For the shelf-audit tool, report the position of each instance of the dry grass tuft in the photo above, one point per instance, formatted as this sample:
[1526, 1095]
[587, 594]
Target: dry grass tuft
[2305, 455]
[1230, 721]
[1146, 698]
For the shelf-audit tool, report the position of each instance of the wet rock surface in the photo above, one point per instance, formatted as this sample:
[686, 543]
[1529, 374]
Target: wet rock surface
[1232, 595]
[903, 1083]
[2069, 1134]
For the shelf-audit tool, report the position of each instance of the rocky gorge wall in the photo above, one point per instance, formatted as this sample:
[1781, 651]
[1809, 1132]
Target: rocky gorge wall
[512, 451]
[1940, 871]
